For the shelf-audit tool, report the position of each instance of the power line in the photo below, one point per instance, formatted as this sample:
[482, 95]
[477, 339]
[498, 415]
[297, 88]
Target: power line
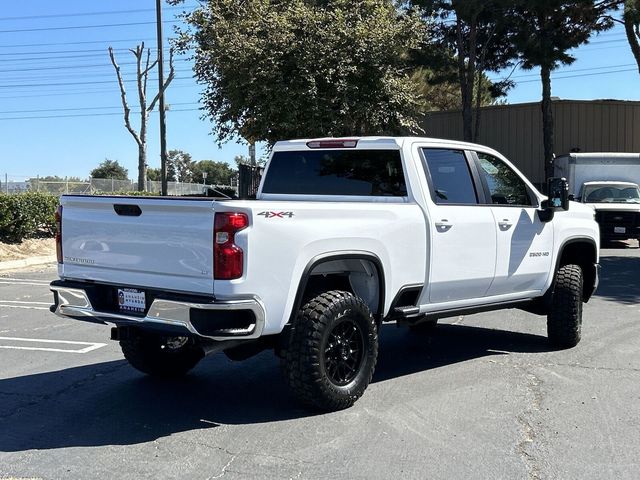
[65, 67]
[82, 108]
[17, 81]
[554, 78]
[69, 83]
[76, 92]
[577, 70]
[89, 14]
[76, 27]
[21, 45]
[90, 115]
[65, 52]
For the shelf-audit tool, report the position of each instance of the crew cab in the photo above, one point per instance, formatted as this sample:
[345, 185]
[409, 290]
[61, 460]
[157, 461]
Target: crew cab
[344, 235]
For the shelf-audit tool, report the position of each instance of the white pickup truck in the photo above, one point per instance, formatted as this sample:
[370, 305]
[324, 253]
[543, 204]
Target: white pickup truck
[344, 234]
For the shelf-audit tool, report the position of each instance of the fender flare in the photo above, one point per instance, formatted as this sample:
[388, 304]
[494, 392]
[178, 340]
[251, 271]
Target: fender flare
[328, 257]
[561, 250]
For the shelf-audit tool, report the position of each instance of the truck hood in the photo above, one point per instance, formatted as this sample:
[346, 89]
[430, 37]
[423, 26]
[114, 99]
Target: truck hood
[615, 207]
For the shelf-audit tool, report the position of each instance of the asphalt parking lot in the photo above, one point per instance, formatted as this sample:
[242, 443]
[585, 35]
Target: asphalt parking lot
[482, 397]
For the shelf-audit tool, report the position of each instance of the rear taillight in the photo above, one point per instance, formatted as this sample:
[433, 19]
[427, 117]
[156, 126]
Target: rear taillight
[58, 217]
[228, 258]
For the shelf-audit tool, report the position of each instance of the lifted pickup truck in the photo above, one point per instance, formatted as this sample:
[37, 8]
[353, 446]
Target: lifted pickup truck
[344, 234]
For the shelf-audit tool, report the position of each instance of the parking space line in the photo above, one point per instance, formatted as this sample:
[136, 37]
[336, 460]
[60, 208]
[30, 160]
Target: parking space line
[27, 307]
[25, 301]
[25, 279]
[88, 346]
[3, 282]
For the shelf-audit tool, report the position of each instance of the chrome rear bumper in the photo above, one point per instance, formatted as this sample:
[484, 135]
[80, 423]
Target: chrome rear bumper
[74, 302]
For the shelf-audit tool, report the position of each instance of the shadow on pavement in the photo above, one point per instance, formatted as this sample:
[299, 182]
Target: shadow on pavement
[620, 279]
[112, 404]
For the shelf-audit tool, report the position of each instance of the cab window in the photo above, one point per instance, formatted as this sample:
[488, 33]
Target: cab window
[505, 186]
[451, 181]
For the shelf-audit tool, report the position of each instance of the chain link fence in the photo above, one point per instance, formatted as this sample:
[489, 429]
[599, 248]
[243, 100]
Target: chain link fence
[17, 184]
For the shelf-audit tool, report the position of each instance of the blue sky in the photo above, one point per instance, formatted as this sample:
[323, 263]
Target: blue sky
[51, 68]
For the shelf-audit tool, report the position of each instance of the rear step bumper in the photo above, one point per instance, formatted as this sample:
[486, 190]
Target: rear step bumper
[220, 320]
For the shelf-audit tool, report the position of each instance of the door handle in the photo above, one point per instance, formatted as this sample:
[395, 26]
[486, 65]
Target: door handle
[505, 224]
[443, 225]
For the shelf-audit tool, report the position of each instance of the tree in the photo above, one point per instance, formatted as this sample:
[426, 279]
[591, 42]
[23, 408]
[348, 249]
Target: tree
[473, 37]
[155, 174]
[545, 32]
[143, 66]
[110, 169]
[179, 166]
[242, 160]
[440, 94]
[274, 70]
[218, 173]
[631, 19]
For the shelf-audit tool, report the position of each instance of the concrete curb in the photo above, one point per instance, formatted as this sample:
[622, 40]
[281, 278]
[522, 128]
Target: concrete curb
[27, 262]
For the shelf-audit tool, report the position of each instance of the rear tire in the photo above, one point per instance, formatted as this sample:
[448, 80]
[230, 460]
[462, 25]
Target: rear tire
[564, 321]
[161, 356]
[332, 351]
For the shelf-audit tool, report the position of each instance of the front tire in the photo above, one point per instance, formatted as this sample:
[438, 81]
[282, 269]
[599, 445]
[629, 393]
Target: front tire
[332, 351]
[161, 356]
[564, 321]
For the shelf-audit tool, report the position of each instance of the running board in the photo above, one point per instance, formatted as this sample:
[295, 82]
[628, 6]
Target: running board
[413, 311]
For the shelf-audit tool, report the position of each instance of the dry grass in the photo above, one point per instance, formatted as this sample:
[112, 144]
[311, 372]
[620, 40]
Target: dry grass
[34, 247]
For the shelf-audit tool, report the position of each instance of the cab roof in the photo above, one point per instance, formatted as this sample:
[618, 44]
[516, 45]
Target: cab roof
[371, 142]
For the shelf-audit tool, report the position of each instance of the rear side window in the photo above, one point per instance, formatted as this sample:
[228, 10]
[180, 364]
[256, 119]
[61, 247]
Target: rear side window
[451, 180]
[336, 172]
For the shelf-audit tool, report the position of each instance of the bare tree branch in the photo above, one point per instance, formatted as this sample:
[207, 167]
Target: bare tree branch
[123, 97]
[172, 73]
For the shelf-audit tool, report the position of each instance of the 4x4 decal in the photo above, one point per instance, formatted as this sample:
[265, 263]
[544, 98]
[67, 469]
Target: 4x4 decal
[276, 214]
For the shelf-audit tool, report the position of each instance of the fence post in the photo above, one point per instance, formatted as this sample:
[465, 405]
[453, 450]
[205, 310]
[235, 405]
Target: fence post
[37, 183]
[112, 189]
[6, 183]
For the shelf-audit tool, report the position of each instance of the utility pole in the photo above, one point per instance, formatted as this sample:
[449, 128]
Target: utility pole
[163, 127]
[252, 153]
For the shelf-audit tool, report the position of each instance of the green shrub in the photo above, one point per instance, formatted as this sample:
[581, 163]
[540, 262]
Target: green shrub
[26, 215]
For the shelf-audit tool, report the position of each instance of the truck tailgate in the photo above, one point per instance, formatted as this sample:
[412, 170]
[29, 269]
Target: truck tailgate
[161, 243]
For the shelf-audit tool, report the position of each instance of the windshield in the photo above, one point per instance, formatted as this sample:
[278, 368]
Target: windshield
[611, 194]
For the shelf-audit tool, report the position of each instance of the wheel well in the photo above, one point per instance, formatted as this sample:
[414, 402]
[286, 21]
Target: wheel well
[582, 253]
[361, 276]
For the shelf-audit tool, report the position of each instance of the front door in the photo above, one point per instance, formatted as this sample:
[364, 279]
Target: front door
[524, 243]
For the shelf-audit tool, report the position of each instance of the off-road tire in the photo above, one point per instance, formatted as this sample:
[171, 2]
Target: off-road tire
[308, 361]
[148, 353]
[564, 320]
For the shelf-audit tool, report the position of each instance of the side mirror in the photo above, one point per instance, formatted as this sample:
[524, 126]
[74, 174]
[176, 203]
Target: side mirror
[558, 192]
[546, 212]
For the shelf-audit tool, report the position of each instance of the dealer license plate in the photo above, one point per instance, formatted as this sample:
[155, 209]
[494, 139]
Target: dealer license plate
[131, 300]
[619, 230]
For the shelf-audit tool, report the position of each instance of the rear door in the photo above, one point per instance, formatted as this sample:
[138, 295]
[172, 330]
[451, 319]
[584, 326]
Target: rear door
[160, 243]
[463, 236]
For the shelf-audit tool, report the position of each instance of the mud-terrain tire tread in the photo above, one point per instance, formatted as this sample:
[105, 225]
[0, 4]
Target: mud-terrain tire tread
[302, 362]
[564, 321]
[143, 353]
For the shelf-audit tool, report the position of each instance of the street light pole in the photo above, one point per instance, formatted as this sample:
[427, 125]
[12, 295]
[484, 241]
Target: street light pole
[163, 127]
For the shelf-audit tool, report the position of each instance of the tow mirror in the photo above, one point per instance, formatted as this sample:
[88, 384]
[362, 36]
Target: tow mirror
[558, 192]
